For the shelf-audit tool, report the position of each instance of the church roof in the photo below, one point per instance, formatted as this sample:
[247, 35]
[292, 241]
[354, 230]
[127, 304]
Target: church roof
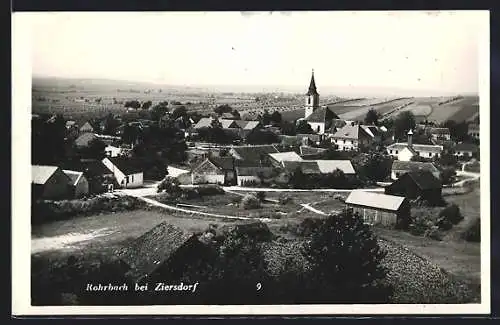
[312, 87]
[322, 114]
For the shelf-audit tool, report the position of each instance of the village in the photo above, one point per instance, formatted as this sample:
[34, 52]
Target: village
[268, 175]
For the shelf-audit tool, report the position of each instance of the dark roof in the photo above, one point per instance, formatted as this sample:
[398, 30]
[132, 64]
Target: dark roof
[148, 252]
[305, 150]
[307, 167]
[127, 165]
[466, 147]
[224, 163]
[254, 153]
[413, 166]
[424, 180]
[322, 114]
[312, 86]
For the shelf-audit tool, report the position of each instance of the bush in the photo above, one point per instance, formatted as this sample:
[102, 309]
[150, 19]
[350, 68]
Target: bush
[261, 196]
[473, 232]
[451, 214]
[444, 224]
[250, 201]
[421, 222]
[284, 199]
[308, 226]
[170, 185]
[210, 189]
[433, 233]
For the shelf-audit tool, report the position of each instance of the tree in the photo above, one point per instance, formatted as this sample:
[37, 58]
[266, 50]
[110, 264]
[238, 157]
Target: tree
[170, 185]
[94, 150]
[179, 111]
[276, 118]
[404, 122]
[133, 104]
[262, 137]
[111, 124]
[265, 117]
[448, 175]
[48, 139]
[147, 104]
[159, 110]
[304, 128]
[372, 117]
[288, 128]
[458, 131]
[236, 114]
[298, 179]
[225, 108]
[130, 134]
[346, 262]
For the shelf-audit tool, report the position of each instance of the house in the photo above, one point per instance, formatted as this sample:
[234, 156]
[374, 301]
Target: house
[439, 134]
[49, 183]
[85, 139]
[288, 141]
[377, 208]
[310, 139]
[374, 132]
[351, 137]
[79, 184]
[128, 172]
[163, 252]
[229, 124]
[420, 184]
[406, 151]
[473, 131]
[277, 159]
[466, 150]
[319, 118]
[401, 167]
[112, 151]
[214, 170]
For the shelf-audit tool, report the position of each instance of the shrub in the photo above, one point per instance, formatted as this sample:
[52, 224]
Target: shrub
[261, 196]
[421, 222]
[433, 233]
[346, 261]
[308, 226]
[452, 214]
[210, 189]
[444, 224]
[284, 199]
[170, 185]
[473, 232]
[250, 201]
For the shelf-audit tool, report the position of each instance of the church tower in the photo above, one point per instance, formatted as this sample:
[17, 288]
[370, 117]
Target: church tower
[312, 97]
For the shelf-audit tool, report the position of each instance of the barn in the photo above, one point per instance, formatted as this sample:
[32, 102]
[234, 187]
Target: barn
[49, 182]
[417, 184]
[380, 209]
[214, 170]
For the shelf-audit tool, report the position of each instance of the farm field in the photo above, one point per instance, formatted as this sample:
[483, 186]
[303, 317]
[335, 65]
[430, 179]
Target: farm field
[458, 111]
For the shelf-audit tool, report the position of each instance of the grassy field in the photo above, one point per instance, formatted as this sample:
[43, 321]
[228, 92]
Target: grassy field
[459, 110]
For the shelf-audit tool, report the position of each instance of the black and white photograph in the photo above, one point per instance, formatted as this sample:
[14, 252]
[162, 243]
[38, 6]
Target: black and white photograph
[289, 162]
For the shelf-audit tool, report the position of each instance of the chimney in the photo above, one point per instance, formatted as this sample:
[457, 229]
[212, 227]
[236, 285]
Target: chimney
[410, 138]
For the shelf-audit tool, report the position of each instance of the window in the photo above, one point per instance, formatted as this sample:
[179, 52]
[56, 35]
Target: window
[396, 152]
[430, 154]
[308, 100]
[317, 129]
[131, 178]
[390, 151]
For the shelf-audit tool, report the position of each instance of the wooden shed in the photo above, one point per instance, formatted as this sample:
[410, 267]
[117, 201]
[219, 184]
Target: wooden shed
[380, 209]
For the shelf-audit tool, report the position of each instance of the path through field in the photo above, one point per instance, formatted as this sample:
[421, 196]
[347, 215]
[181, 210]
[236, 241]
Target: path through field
[65, 241]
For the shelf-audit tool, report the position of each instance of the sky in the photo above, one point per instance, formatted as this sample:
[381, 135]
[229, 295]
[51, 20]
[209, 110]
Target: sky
[349, 51]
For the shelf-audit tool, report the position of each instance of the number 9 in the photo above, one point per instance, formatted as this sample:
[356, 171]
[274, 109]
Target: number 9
[259, 286]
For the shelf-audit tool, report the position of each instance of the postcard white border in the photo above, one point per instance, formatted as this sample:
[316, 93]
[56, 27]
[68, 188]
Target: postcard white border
[21, 224]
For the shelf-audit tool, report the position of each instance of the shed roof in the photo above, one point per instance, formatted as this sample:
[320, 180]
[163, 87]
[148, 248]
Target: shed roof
[425, 180]
[375, 200]
[148, 252]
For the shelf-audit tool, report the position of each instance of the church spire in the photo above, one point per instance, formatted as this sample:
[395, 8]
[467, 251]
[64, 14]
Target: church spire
[312, 86]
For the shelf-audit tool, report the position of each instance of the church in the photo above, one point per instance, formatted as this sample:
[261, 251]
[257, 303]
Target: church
[319, 118]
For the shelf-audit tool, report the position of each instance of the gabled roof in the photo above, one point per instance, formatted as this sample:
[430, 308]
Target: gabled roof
[70, 123]
[321, 114]
[224, 163]
[89, 168]
[416, 147]
[254, 153]
[424, 180]
[250, 125]
[329, 166]
[466, 147]
[350, 132]
[286, 156]
[226, 124]
[126, 165]
[371, 130]
[148, 252]
[40, 174]
[74, 176]
[204, 122]
[174, 172]
[375, 200]
[414, 166]
[307, 167]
